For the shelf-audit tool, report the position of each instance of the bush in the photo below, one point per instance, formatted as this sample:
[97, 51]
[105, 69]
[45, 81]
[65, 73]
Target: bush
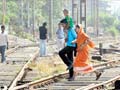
[114, 32]
[18, 31]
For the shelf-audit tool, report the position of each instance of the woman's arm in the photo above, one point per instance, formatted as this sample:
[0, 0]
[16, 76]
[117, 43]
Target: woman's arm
[84, 44]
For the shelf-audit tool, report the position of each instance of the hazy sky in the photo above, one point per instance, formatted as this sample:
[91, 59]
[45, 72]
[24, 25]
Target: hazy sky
[115, 4]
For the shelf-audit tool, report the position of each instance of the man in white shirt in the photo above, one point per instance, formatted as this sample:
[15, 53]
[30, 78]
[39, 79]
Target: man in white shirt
[3, 43]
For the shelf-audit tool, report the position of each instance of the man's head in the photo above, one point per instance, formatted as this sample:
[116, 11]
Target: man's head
[3, 28]
[65, 12]
[44, 24]
[64, 23]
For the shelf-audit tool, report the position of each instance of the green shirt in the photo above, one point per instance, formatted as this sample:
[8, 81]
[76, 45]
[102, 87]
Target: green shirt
[70, 21]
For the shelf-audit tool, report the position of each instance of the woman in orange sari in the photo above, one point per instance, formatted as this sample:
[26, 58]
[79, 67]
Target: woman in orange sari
[81, 63]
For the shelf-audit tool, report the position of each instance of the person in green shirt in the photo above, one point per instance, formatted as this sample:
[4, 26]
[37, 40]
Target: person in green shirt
[68, 18]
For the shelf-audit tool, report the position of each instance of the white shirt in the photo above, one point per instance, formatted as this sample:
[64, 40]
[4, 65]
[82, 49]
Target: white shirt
[3, 39]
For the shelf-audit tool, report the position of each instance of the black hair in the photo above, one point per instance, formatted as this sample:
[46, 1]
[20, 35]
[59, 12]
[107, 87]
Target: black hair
[64, 21]
[3, 26]
[44, 24]
[78, 26]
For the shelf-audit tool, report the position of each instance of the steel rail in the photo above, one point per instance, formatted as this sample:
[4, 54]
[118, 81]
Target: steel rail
[45, 81]
[41, 82]
[35, 45]
[100, 86]
[11, 50]
[22, 71]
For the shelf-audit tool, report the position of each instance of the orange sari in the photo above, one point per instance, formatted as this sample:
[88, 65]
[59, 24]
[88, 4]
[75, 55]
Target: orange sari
[81, 63]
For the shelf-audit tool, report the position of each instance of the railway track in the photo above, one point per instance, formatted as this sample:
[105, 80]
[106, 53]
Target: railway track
[17, 57]
[58, 81]
[22, 56]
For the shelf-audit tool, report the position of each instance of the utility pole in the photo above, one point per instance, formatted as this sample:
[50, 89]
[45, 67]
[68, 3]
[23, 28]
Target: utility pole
[21, 12]
[51, 18]
[83, 13]
[33, 16]
[91, 11]
[75, 10]
[4, 12]
[96, 16]
[28, 13]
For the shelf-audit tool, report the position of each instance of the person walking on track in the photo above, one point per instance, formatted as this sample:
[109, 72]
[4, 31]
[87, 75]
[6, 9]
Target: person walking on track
[3, 43]
[81, 63]
[66, 53]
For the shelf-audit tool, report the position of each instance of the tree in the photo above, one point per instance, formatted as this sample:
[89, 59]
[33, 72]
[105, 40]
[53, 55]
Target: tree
[12, 10]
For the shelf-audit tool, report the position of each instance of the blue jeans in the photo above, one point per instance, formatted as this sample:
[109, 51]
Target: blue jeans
[2, 51]
[42, 47]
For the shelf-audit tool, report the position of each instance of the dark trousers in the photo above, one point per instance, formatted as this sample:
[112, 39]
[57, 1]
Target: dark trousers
[66, 55]
[75, 50]
[117, 85]
[2, 51]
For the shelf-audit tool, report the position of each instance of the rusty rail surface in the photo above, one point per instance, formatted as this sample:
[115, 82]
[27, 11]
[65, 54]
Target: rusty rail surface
[51, 79]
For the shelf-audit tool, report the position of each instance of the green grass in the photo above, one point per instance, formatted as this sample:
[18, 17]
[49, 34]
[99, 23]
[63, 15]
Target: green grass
[47, 67]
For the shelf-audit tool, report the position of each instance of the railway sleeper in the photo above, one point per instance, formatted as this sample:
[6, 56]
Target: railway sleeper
[13, 62]
[43, 84]
[97, 57]
[22, 82]
[3, 87]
